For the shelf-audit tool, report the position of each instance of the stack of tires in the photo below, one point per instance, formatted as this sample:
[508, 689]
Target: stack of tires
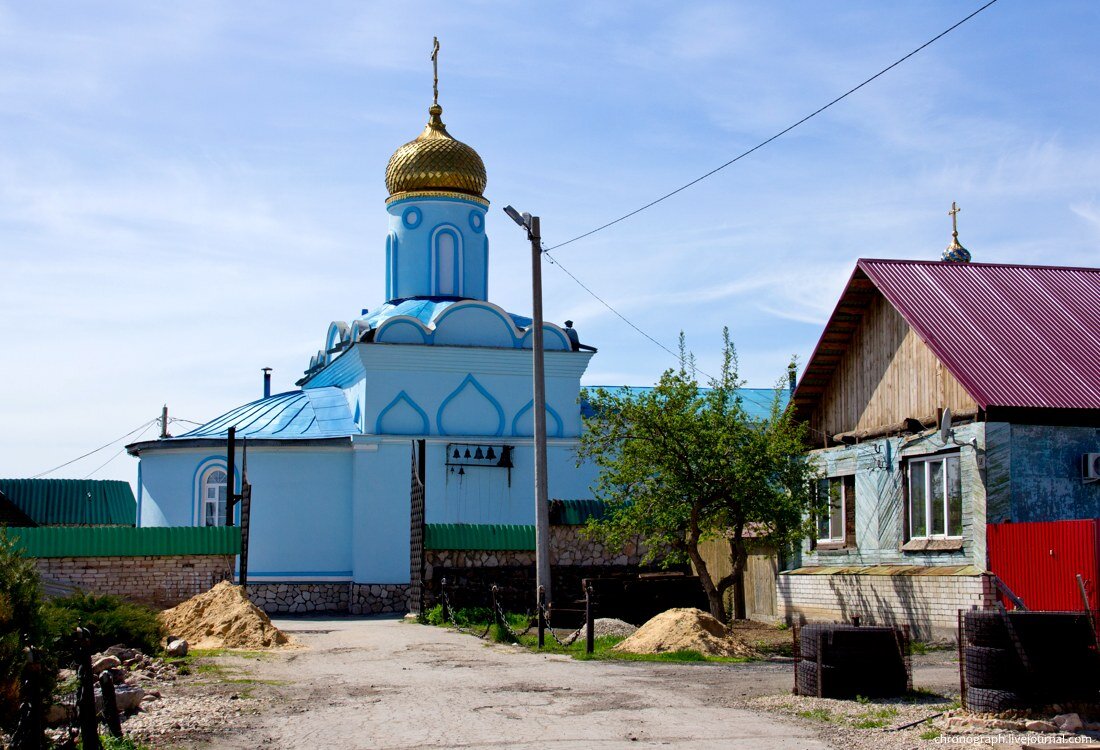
[1018, 660]
[843, 661]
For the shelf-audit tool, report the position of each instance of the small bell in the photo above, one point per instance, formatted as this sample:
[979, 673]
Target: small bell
[478, 454]
[491, 454]
[455, 453]
[461, 471]
[467, 453]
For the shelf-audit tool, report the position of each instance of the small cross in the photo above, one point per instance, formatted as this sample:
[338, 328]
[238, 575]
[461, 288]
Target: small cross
[435, 70]
[953, 213]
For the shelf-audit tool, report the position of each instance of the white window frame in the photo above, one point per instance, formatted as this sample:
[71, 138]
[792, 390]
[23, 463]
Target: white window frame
[843, 538]
[205, 487]
[924, 464]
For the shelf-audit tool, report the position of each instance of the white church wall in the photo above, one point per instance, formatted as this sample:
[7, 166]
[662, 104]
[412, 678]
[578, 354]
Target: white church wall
[381, 477]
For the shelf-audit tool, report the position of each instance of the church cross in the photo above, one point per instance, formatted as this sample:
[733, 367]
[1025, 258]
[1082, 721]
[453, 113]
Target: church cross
[435, 70]
[953, 213]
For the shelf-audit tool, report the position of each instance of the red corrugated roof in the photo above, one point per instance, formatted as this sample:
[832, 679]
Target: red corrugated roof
[1014, 336]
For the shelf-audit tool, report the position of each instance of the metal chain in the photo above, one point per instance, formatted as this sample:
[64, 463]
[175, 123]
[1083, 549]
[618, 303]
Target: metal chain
[550, 628]
[454, 623]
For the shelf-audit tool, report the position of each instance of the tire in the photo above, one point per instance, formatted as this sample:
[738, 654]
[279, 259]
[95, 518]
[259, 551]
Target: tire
[806, 678]
[993, 668]
[985, 627]
[987, 700]
[809, 634]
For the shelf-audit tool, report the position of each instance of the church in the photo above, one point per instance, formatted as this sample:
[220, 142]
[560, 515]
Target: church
[418, 411]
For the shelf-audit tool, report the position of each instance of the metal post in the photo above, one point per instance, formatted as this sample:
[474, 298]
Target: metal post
[589, 620]
[542, 507]
[542, 619]
[443, 600]
[230, 470]
[496, 612]
[164, 421]
[89, 722]
[110, 704]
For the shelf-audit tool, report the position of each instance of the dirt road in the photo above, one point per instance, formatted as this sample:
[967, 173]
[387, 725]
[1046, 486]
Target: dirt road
[385, 683]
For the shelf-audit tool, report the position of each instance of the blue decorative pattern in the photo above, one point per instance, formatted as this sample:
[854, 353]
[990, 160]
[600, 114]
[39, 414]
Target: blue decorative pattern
[402, 398]
[469, 381]
[558, 429]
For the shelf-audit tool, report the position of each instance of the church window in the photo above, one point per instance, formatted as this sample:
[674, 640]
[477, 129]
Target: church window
[447, 264]
[214, 497]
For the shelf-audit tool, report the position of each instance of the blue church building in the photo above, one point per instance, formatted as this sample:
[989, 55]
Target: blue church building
[427, 396]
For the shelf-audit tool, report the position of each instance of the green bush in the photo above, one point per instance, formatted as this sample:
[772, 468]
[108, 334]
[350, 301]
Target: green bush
[464, 617]
[110, 620]
[21, 625]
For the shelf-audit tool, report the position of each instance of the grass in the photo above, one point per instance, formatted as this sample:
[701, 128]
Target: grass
[108, 742]
[875, 718]
[207, 653]
[930, 734]
[817, 714]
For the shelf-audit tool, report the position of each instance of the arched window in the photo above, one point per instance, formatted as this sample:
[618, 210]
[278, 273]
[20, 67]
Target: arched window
[213, 496]
[448, 263]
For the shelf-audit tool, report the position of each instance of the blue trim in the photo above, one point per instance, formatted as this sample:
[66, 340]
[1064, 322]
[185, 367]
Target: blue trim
[425, 335]
[402, 396]
[546, 329]
[393, 279]
[138, 519]
[470, 380]
[196, 493]
[332, 573]
[389, 266]
[458, 267]
[440, 198]
[530, 407]
[408, 219]
[485, 267]
[488, 307]
[477, 220]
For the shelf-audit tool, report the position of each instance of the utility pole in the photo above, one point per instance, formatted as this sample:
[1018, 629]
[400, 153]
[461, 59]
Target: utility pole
[542, 501]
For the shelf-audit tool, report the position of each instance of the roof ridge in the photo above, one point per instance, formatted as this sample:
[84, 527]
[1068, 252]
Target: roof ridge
[972, 264]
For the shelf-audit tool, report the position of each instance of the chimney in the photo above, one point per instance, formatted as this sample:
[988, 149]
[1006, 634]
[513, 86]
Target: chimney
[267, 382]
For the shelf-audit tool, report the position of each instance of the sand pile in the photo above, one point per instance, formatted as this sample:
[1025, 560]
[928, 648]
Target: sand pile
[685, 630]
[222, 618]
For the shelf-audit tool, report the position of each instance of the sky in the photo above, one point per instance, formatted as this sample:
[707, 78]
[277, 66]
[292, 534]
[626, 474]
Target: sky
[192, 191]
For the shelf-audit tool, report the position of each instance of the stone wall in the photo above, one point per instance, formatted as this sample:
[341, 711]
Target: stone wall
[568, 546]
[160, 581]
[928, 603]
[353, 598]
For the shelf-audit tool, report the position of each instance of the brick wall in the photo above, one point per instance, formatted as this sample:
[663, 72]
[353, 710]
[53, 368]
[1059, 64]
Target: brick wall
[162, 581]
[927, 603]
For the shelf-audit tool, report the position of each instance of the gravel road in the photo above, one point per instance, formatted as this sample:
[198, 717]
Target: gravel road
[387, 683]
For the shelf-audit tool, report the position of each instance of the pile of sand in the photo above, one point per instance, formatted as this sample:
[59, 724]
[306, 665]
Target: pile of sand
[685, 630]
[222, 618]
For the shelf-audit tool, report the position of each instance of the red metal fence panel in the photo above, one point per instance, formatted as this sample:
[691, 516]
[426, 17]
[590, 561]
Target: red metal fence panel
[1040, 561]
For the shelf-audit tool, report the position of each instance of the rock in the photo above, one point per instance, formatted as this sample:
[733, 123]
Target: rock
[177, 647]
[127, 698]
[105, 662]
[1040, 726]
[1068, 722]
[59, 713]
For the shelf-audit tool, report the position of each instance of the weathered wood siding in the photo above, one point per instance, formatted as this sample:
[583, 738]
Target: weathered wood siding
[761, 570]
[886, 374]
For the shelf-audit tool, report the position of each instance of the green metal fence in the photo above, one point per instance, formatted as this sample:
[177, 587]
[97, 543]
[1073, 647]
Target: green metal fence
[496, 536]
[120, 541]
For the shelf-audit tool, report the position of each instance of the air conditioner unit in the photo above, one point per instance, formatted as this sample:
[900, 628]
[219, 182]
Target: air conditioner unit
[1090, 467]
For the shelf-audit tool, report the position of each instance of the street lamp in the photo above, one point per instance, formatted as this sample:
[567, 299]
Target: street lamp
[542, 502]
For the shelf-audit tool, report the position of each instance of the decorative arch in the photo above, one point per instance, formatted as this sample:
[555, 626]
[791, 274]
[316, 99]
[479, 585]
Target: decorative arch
[405, 409]
[203, 479]
[558, 428]
[445, 246]
[471, 392]
[339, 334]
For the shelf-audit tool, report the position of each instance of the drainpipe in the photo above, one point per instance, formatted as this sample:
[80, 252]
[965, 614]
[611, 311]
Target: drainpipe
[267, 381]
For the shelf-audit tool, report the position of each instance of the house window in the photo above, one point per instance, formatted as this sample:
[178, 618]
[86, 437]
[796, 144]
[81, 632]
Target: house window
[935, 497]
[213, 497]
[836, 522]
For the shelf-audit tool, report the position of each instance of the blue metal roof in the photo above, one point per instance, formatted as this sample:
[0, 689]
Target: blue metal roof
[425, 309]
[294, 415]
[757, 402]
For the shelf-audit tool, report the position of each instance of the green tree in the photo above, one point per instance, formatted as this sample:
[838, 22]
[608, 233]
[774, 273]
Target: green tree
[681, 464]
[21, 624]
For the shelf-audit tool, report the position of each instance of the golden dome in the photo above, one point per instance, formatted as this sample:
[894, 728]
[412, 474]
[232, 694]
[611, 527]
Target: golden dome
[435, 161]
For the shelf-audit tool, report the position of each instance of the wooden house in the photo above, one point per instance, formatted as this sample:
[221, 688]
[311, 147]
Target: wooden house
[1013, 352]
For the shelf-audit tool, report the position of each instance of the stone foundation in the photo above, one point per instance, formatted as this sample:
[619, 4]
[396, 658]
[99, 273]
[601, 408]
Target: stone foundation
[353, 598]
[159, 581]
[927, 603]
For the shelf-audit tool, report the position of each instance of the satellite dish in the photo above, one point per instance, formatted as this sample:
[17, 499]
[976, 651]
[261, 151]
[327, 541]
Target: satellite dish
[945, 425]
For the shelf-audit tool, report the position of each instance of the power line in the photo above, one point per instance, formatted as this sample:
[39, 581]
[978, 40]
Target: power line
[120, 452]
[142, 426]
[781, 133]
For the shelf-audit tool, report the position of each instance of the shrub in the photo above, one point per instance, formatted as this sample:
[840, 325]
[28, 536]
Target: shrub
[464, 617]
[110, 619]
[21, 625]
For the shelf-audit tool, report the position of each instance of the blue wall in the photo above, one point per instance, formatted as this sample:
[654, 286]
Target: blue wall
[415, 226]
